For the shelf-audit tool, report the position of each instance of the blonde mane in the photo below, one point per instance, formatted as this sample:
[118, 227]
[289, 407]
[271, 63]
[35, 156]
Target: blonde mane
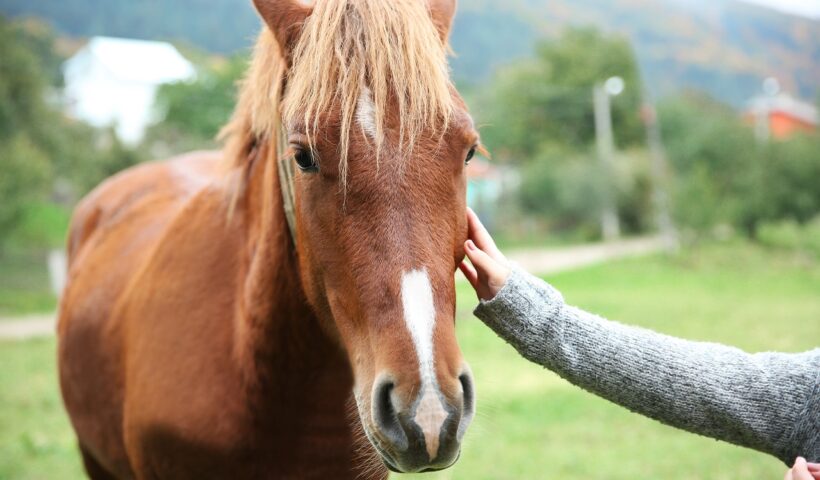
[390, 47]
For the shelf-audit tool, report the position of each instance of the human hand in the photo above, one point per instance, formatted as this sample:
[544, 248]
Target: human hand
[488, 269]
[803, 470]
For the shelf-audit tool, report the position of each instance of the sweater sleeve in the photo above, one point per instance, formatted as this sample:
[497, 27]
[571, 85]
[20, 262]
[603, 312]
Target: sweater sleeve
[766, 401]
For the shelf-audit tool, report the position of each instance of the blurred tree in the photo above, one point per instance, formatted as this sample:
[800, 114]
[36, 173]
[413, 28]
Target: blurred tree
[722, 176]
[24, 181]
[23, 112]
[713, 156]
[789, 181]
[41, 148]
[562, 186]
[543, 121]
[549, 99]
[566, 188]
[193, 113]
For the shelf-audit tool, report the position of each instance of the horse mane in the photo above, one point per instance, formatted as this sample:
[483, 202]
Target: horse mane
[256, 117]
[347, 47]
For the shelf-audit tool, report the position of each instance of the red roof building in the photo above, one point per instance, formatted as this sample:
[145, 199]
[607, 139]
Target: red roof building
[781, 116]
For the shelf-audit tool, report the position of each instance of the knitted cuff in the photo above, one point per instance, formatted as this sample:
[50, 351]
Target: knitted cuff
[522, 312]
[805, 440]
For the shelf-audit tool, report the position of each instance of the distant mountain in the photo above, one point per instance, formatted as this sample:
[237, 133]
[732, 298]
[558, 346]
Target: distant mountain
[725, 47]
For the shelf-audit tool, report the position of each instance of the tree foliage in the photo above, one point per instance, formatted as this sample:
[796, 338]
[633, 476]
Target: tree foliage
[41, 148]
[724, 176]
[541, 119]
[23, 112]
[549, 100]
[201, 108]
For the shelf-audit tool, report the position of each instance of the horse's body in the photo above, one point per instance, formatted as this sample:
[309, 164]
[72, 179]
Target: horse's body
[114, 324]
[197, 339]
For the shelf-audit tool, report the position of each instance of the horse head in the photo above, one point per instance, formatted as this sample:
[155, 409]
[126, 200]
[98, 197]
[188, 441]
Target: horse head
[378, 139]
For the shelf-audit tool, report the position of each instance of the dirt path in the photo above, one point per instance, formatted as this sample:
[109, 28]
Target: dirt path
[23, 328]
[553, 260]
[542, 261]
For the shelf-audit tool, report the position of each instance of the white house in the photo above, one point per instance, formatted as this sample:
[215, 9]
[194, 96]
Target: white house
[114, 81]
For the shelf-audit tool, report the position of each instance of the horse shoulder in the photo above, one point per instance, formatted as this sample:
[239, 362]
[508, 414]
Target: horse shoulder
[178, 316]
[113, 231]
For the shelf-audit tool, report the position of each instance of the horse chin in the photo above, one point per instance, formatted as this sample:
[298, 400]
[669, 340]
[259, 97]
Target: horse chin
[389, 464]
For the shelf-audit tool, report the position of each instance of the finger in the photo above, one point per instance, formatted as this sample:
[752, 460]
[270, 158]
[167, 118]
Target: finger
[469, 273]
[813, 467]
[483, 263]
[788, 475]
[482, 237]
[800, 471]
[478, 233]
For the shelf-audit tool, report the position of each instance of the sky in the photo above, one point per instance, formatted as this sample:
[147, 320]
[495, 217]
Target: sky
[808, 8]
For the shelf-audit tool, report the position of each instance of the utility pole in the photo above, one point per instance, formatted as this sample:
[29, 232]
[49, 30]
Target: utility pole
[657, 156]
[604, 139]
[763, 108]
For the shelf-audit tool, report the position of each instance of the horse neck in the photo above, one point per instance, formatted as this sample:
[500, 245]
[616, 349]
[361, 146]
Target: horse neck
[277, 328]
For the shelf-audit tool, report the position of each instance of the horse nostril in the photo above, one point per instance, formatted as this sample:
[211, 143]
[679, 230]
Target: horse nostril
[468, 403]
[385, 415]
[384, 406]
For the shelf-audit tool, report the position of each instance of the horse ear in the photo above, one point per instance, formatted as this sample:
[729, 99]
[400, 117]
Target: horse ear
[285, 18]
[443, 12]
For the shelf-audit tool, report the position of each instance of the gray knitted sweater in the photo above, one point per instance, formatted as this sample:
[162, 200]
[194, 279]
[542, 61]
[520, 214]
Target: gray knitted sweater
[766, 401]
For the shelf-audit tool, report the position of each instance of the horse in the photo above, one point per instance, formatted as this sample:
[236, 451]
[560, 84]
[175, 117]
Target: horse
[285, 307]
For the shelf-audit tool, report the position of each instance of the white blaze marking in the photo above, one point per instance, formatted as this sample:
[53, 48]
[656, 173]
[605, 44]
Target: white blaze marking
[420, 317]
[366, 112]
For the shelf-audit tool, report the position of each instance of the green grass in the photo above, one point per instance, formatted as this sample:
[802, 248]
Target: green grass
[24, 284]
[24, 280]
[36, 441]
[43, 226]
[530, 423]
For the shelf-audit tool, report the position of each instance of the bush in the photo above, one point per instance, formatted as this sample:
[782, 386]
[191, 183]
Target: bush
[566, 190]
[722, 176]
[569, 189]
[42, 226]
[43, 154]
[25, 177]
[791, 235]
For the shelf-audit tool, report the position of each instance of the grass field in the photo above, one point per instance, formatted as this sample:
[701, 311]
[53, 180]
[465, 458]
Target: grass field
[24, 279]
[24, 284]
[530, 423]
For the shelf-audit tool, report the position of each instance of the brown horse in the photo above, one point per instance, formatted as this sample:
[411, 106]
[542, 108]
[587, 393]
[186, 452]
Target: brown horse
[200, 338]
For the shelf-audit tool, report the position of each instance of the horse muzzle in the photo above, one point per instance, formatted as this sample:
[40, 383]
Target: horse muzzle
[423, 434]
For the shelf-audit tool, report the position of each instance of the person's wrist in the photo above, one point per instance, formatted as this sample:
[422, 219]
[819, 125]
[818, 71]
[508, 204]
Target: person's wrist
[500, 279]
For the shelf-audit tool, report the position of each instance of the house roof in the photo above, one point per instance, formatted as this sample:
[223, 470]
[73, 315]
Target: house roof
[785, 104]
[139, 60]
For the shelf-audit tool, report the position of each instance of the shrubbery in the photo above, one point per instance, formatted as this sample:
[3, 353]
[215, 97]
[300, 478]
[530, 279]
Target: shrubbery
[44, 156]
[791, 235]
[540, 120]
[723, 176]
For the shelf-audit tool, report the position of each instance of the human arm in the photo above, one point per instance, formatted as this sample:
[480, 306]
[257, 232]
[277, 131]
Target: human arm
[766, 401]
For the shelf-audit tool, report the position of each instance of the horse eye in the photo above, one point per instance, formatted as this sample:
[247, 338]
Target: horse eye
[306, 161]
[470, 156]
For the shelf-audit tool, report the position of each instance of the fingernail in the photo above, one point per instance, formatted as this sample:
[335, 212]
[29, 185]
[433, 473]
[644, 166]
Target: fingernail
[470, 245]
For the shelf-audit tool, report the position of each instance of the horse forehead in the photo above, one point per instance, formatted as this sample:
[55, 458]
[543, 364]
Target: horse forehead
[366, 115]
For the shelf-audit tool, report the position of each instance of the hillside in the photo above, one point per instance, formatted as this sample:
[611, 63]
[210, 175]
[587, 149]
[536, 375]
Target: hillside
[724, 47]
